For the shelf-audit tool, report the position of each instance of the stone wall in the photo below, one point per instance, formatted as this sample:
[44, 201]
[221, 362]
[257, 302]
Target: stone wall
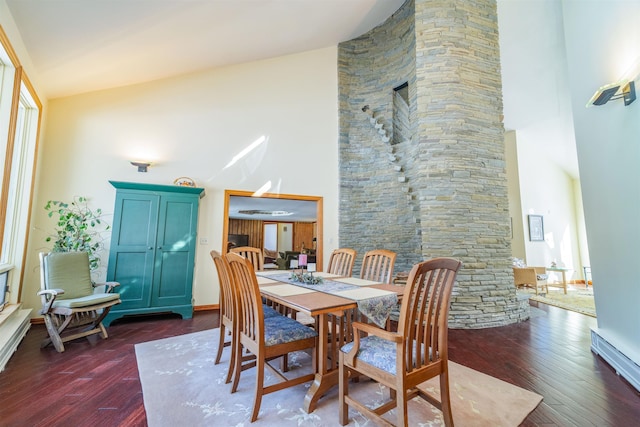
[443, 191]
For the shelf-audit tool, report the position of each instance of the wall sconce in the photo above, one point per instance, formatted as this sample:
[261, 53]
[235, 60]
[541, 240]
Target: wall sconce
[624, 89]
[142, 165]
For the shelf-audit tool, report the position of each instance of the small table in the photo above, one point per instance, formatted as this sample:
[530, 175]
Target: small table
[564, 276]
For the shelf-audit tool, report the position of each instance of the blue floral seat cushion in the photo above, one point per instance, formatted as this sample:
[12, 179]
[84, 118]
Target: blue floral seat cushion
[281, 330]
[269, 311]
[377, 352]
[542, 276]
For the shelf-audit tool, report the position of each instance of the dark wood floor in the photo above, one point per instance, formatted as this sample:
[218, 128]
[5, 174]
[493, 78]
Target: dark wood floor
[97, 384]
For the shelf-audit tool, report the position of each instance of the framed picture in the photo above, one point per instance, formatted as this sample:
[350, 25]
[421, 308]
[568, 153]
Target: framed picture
[536, 228]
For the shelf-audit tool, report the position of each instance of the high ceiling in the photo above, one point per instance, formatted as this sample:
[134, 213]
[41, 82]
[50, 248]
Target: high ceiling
[78, 46]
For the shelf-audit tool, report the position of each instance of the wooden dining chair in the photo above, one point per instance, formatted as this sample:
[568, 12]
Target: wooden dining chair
[415, 353]
[228, 312]
[266, 338]
[254, 255]
[377, 265]
[341, 262]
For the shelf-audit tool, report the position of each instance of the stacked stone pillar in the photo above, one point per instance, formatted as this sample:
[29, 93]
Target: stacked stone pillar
[454, 163]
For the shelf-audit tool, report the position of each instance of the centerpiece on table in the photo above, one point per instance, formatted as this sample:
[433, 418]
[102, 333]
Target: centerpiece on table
[303, 277]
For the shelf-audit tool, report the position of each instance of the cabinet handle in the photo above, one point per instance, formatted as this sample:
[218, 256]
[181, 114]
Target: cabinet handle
[150, 247]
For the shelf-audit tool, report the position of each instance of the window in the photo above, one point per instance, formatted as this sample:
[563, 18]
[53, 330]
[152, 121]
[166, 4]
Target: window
[20, 112]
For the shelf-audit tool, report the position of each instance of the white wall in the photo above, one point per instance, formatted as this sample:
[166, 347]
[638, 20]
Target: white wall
[515, 206]
[603, 41]
[193, 126]
[548, 190]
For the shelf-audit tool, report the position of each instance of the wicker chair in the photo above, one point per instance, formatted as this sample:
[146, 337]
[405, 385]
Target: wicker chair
[531, 277]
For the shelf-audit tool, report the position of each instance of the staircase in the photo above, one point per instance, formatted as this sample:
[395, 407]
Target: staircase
[377, 122]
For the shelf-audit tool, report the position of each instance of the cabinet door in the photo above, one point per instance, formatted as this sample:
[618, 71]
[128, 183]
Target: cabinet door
[175, 250]
[133, 242]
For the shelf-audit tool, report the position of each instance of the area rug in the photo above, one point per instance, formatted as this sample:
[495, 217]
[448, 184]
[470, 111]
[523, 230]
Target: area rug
[182, 386]
[577, 299]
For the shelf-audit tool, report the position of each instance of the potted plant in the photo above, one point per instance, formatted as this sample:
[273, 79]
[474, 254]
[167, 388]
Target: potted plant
[78, 229]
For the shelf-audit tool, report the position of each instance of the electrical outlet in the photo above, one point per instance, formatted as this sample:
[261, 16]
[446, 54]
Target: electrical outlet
[204, 241]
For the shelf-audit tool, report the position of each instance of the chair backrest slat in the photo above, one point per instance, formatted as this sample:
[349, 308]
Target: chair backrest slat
[254, 255]
[341, 262]
[227, 302]
[251, 322]
[378, 265]
[425, 310]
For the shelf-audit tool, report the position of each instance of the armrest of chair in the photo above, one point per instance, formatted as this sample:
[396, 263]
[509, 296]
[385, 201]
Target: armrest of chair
[107, 287]
[49, 296]
[371, 330]
[540, 270]
[52, 292]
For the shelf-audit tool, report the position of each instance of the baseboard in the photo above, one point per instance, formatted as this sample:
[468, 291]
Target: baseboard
[624, 366]
[206, 307]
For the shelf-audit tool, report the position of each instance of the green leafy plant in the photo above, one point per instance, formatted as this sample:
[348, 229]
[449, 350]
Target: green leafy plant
[78, 229]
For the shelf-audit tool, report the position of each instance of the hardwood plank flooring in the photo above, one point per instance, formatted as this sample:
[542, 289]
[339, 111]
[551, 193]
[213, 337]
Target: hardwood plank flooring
[95, 382]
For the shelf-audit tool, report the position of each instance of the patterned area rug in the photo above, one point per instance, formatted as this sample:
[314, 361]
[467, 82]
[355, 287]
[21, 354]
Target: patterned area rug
[577, 299]
[182, 386]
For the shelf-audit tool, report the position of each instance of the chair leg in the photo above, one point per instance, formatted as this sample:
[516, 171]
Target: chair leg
[447, 415]
[238, 368]
[220, 344]
[233, 357]
[257, 401]
[401, 405]
[103, 331]
[54, 336]
[343, 381]
[284, 363]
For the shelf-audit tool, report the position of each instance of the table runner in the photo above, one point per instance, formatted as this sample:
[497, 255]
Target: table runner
[376, 304]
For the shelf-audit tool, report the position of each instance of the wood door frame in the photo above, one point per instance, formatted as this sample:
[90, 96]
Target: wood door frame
[319, 233]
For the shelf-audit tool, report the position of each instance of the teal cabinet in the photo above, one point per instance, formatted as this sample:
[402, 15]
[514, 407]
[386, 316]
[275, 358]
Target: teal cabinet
[153, 244]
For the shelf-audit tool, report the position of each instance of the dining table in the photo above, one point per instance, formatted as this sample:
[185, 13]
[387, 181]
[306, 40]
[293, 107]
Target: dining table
[333, 304]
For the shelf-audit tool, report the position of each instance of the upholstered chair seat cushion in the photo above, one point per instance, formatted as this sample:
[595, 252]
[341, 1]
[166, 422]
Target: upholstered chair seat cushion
[377, 352]
[85, 301]
[281, 330]
[269, 311]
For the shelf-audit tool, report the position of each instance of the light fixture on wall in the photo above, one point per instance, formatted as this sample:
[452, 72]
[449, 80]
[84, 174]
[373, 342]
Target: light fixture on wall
[624, 89]
[142, 165]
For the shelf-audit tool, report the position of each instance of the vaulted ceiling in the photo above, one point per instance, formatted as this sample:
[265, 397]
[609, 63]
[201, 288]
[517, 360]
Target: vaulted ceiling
[78, 46]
